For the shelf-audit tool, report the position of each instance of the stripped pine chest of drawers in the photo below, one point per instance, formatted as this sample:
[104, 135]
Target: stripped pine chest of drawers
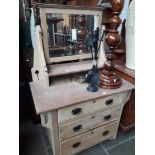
[77, 119]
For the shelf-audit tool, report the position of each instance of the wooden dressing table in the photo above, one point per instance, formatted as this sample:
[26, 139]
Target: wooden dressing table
[74, 118]
[77, 119]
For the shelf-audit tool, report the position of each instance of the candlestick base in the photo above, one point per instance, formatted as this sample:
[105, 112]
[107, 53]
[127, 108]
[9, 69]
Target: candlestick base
[109, 81]
[92, 88]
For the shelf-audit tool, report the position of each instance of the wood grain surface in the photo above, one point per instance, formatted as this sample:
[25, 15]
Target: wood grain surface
[87, 123]
[89, 107]
[59, 96]
[68, 68]
[43, 5]
[86, 139]
[125, 70]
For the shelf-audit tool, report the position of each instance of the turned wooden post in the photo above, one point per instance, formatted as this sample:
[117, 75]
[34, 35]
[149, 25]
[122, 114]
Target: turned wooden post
[82, 32]
[109, 79]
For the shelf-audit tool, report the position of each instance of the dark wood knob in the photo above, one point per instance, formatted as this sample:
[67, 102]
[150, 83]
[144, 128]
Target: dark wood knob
[77, 128]
[76, 111]
[107, 117]
[93, 117]
[94, 101]
[109, 102]
[76, 145]
[105, 132]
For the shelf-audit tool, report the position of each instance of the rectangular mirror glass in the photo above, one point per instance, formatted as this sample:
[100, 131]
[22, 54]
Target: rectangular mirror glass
[68, 32]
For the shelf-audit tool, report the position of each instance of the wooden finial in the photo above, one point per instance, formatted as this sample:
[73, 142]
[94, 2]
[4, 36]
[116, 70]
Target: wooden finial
[109, 79]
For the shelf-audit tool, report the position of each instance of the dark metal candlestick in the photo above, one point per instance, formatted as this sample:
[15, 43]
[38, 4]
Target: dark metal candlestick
[92, 77]
[109, 79]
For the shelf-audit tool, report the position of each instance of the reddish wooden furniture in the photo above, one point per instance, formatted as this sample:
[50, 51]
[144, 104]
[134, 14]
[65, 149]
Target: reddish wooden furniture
[109, 79]
[127, 122]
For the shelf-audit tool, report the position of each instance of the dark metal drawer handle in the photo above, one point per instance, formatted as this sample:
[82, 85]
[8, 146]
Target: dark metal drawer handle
[105, 132]
[77, 128]
[107, 117]
[109, 102]
[76, 145]
[76, 111]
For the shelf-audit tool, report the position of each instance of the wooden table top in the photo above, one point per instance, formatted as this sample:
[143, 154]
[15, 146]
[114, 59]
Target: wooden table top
[60, 96]
[125, 70]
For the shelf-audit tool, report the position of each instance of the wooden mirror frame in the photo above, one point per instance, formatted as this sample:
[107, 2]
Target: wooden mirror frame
[51, 8]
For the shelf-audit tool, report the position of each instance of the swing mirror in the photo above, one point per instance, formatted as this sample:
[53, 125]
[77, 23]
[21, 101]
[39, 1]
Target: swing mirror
[67, 31]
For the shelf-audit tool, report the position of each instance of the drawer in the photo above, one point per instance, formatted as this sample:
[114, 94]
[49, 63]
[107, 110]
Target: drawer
[84, 108]
[79, 126]
[86, 140]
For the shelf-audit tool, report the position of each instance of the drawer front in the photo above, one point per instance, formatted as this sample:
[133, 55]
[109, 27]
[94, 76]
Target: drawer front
[74, 128]
[87, 107]
[85, 140]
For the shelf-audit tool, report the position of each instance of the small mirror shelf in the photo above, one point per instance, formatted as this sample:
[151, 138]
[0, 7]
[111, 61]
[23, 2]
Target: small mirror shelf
[65, 29]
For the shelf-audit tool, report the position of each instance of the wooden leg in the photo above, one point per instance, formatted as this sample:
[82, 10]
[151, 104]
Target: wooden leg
[50, 121]
[126, 129]
[55, 133]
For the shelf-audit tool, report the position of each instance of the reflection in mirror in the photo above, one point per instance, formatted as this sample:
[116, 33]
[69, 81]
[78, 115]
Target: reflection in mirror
[71, 35]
